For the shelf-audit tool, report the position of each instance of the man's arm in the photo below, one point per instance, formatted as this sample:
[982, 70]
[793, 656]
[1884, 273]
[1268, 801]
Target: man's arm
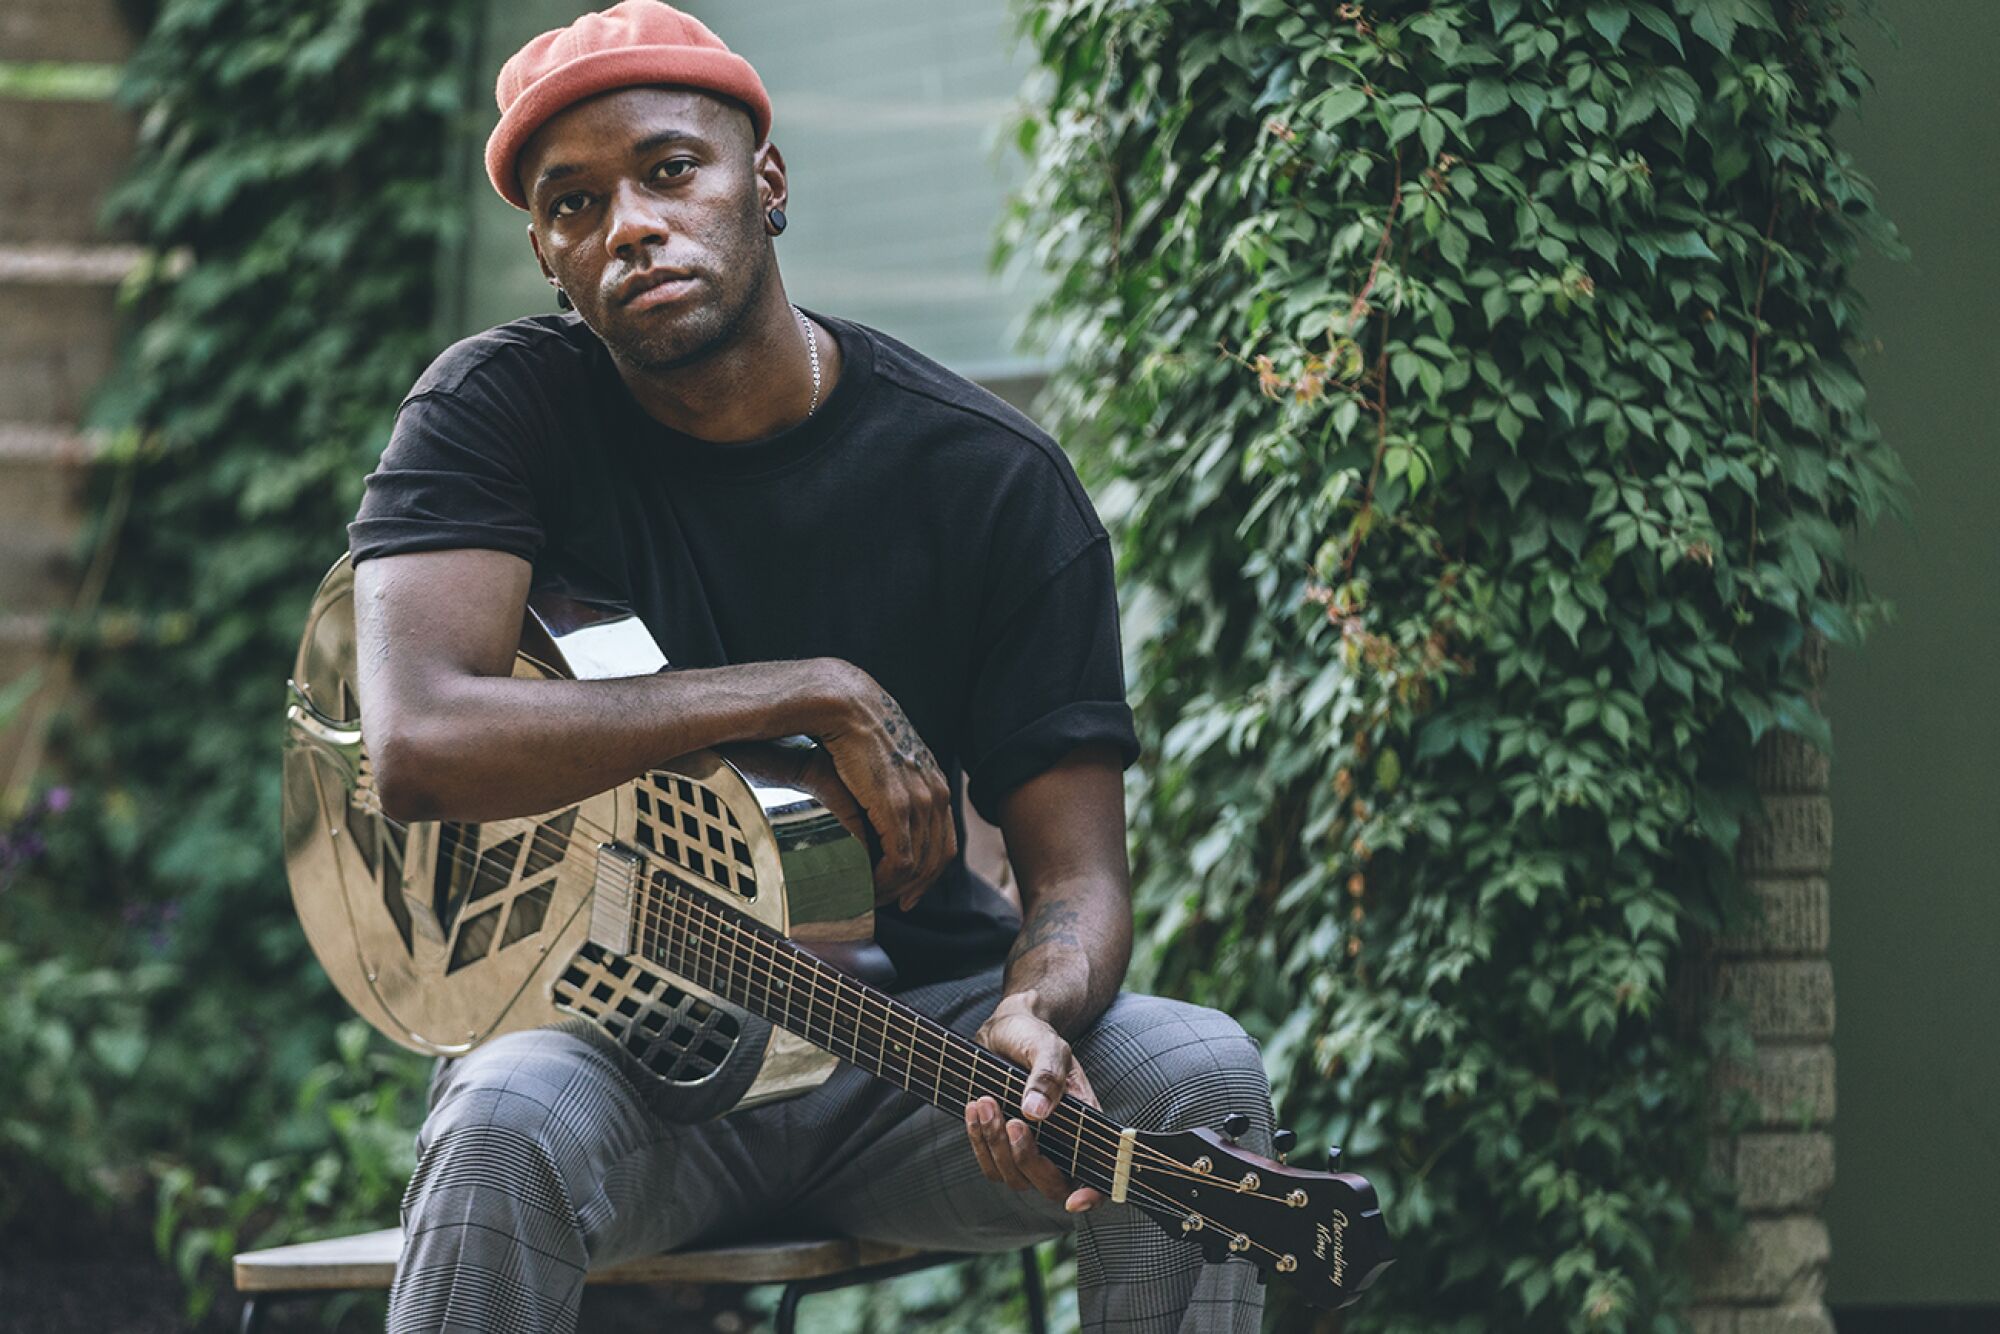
[454, 736]
[1065, 832]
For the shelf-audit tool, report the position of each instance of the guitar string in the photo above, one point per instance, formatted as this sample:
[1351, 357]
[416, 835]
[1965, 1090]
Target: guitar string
[683, 904]
[1106, 1133]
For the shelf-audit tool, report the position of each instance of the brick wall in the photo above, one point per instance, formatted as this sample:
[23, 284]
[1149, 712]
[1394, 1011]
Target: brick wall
[1770, 1279]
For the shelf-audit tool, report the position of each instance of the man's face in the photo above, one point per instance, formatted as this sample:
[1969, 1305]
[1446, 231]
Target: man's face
[638, 182]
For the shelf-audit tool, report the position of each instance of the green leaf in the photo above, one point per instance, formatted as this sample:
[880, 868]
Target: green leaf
[1484, 97]
[1684, 245]
[1532, 98]
[1714, 21]
[1339, 105]
[1609, 17]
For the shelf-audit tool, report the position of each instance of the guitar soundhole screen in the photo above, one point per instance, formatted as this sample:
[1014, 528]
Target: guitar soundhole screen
[687, 823]
[678, 1037]
[518, 871]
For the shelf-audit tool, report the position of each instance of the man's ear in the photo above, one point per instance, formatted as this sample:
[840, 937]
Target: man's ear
[535, 244]
[769, 165]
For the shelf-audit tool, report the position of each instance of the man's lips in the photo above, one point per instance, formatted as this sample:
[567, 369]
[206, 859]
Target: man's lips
[640, 283]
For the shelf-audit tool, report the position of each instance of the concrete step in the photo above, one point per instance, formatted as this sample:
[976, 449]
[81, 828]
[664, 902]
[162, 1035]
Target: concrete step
[58, 328]
[58, 160]
[93, 31]
[42, 475]
[23, 649]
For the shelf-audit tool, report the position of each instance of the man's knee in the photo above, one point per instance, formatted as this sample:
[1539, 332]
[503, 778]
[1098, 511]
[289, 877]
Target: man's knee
[1168, 1065]
[515, 1119]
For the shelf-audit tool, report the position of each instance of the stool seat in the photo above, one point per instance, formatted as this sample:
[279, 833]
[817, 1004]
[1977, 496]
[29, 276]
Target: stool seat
[368, 1260]
[805, 1265]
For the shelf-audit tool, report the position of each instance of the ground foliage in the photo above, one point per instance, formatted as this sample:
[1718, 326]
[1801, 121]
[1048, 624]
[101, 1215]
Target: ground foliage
[1472, 387]
[182, 1055]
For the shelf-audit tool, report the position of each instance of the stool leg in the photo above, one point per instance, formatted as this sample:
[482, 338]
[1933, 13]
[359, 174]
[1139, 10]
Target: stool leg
[253, 1317]
[788, 1309]
[1031, 1287]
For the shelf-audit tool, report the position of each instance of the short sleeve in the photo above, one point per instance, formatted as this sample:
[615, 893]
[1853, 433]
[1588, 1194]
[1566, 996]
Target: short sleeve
[453, 475]
[1050, 677]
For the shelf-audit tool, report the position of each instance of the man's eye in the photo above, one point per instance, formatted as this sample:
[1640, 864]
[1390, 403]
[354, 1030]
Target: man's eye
[557, 210]
[675, 162]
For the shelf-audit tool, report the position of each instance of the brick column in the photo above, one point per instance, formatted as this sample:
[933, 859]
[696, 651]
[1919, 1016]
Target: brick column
[1770, 1279]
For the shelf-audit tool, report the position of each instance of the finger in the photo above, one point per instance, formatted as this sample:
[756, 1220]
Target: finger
[1042, 1174]
[931, 863]
[990, 1139]
[1047, 1077]
[892, 868]
[973, 1131]
[1079, 1084]
[999, 1143]
[934, 837]
[1083, 1199]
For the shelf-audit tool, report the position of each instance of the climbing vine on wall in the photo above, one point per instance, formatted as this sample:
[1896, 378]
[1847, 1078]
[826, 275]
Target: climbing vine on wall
[1473, 389]
[289, 187]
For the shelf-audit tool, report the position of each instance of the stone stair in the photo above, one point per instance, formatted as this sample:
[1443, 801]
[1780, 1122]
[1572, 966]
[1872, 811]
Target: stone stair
[61, 150]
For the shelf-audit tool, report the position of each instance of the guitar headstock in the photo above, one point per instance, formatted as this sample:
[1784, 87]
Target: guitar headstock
[1320, 1232]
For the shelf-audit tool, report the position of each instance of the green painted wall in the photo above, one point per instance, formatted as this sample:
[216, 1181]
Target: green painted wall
[1916, 773]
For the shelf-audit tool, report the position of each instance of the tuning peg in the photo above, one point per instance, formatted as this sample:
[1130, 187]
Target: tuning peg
[1284, 1141]
[1235, 1125]
[1333, 1158]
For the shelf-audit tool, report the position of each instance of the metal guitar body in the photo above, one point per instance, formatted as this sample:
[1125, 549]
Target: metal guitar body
[444, 934]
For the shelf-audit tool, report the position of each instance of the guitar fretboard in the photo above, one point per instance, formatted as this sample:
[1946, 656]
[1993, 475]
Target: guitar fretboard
[718, 948]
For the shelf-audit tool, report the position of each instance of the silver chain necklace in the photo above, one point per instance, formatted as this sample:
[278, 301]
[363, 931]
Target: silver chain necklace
[812, 346]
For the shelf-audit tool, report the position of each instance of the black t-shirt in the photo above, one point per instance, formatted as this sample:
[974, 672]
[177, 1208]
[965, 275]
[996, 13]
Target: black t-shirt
[915, 525]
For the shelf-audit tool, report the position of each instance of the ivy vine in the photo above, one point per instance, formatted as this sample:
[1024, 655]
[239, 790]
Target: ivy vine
[289, 188]
[1472, 387]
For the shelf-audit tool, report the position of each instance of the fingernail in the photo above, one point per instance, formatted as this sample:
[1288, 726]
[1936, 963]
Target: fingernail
[1035, 1105]
[987, 1113]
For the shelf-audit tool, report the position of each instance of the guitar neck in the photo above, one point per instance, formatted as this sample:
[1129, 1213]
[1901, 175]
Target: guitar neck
[692, 934]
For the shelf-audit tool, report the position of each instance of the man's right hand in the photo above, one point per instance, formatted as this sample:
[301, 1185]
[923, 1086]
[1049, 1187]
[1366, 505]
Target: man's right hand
[884, 762]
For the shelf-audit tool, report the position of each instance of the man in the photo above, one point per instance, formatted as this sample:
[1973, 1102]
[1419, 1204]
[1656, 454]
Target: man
[828, 534]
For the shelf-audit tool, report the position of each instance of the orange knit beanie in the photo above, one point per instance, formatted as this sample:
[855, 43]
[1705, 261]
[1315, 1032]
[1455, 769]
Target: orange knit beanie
[636, 42]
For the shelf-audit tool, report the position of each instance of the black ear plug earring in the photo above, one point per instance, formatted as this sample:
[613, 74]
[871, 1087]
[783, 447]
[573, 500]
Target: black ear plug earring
[777, 217]
[562, 298]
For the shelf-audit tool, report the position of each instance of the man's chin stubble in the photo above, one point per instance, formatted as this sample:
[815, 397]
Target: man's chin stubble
[687, 346]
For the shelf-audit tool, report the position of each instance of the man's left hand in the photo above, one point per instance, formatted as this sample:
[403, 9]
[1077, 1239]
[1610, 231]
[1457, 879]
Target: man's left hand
[1005, 1145]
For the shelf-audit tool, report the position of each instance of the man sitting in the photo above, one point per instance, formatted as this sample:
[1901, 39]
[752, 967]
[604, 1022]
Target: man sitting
[829, 534]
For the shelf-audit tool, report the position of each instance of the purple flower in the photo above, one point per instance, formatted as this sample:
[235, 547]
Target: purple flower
[57, 799]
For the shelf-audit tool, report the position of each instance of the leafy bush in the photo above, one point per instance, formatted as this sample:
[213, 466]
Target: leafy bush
[290, 186]
[1471, 386]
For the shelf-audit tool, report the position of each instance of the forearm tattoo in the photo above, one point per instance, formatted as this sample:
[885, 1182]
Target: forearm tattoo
[907, 749]
[1051, 923]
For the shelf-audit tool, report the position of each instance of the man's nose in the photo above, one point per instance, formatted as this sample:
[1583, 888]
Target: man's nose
[638, 220]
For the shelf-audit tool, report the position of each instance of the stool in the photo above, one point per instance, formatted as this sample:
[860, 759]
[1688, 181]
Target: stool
[368, 1261]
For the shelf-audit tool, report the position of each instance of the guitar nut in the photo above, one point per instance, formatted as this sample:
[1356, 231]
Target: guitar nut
[1250, 1181]
[1239, 1242]
[1203, 1165]
[1287, 1263]
[1297, 1199]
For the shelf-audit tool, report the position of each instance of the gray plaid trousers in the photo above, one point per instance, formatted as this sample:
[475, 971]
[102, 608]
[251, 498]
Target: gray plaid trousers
[544, 1154]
